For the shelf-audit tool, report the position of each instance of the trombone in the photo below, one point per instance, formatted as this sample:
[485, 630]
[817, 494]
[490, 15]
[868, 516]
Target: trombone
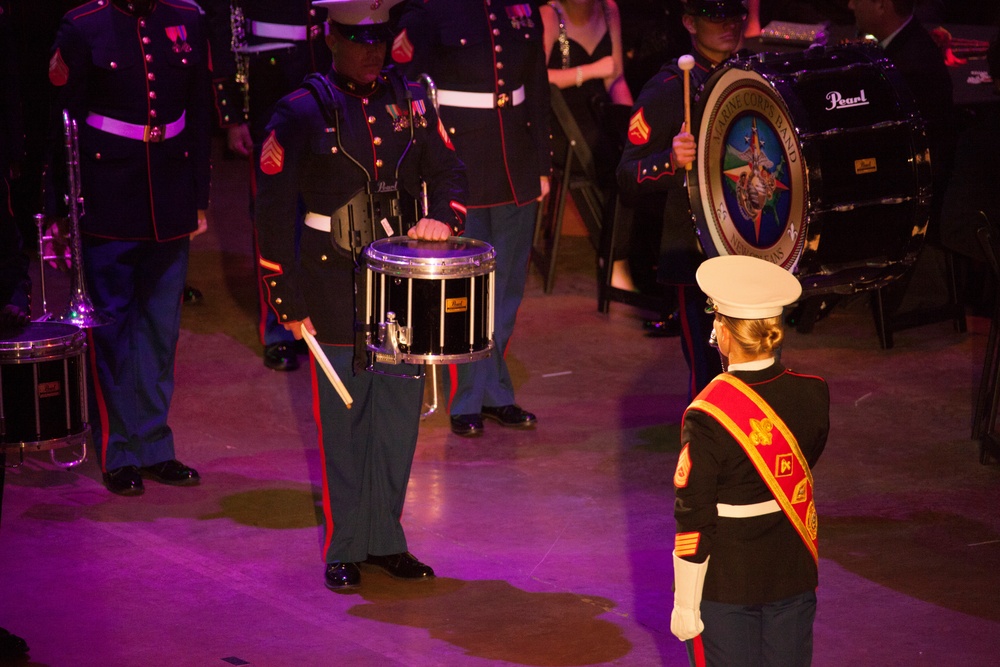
[80, 311]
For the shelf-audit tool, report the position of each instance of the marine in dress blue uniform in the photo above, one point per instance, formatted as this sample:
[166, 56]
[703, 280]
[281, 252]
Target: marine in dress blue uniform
[355, 130]
[135, 77]
[488, 62]
[651, 164]
[277, 44]
[744, 575]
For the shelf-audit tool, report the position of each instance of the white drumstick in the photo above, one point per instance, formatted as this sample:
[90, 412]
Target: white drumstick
[686, 63]
[328, 369]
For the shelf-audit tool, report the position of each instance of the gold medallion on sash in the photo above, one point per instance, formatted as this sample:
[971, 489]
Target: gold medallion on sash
[771, 447]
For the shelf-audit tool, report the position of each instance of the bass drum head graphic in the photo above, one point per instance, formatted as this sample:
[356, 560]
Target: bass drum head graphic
[748, 186]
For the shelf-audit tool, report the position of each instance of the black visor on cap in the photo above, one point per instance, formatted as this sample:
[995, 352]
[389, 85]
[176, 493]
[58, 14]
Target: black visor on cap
[372, 33]
[715, 9]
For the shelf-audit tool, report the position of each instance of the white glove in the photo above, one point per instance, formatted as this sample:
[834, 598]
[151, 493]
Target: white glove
[689, 580]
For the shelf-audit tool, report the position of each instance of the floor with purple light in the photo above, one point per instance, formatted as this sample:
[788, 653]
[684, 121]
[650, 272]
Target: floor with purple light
[552, 547]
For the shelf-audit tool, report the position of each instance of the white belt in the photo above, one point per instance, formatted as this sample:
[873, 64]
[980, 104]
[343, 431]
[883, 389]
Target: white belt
[147, 133]
[747, 511]
[295, 33]
[458, 98]
[318, 222]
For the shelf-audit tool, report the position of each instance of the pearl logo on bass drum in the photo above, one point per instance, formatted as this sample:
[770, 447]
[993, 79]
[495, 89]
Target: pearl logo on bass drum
[838, 101]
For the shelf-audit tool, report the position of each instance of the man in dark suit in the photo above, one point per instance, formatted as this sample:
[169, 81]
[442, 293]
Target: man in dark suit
[134, 74]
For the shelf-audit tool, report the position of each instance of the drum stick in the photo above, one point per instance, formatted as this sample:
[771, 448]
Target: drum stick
[324, 363]
[686, 63]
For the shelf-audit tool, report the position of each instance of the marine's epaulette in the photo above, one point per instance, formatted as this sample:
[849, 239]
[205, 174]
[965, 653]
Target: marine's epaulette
[87, 8]
[183, 5]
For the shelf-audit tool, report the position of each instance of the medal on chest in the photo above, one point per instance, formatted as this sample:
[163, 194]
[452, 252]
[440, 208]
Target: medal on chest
[520, 16]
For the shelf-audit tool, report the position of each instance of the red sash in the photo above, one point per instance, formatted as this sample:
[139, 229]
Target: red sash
[770, 446]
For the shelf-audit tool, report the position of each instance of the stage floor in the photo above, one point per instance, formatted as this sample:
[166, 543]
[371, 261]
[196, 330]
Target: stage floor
[552, 547]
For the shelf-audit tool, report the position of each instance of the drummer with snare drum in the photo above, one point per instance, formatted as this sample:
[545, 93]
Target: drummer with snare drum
[354, 145]
[658, 151]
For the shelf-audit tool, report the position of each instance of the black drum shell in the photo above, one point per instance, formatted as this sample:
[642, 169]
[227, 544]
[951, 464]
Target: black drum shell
[865, 165]
[440, 291]
[42, 387]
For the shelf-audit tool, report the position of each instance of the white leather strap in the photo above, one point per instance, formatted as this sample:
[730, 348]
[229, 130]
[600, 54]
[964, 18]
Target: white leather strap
[295, 33]
[147, 133]
[746, 511]
[459, 98]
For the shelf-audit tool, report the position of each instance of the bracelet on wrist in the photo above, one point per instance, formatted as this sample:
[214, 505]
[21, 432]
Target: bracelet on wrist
[579, 77]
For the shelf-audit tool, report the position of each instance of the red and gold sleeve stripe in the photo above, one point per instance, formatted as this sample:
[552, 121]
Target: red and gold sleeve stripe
[686, 544]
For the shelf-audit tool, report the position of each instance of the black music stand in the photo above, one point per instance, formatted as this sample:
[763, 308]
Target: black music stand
[984, 419]
[576, 175]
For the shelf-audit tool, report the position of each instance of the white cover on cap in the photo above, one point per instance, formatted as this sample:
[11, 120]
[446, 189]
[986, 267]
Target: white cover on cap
[747, 288]
[358, 12]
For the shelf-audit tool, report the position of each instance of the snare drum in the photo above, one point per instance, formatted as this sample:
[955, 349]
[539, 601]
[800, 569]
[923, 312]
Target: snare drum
[43, 395]
[816, 161]
[429, 302]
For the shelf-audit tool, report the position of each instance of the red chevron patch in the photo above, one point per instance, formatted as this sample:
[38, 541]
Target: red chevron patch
[272, 156]
[58, 70]
[638, 128]
[402, 48]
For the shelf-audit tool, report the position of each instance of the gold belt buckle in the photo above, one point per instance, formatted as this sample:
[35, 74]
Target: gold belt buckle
[153, 134]
[502, 100]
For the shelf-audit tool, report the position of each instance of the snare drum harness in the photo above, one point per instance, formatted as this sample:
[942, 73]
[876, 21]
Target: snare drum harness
[374, 211]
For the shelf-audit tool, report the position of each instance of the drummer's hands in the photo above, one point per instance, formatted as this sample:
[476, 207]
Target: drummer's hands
[296, 327]
[684, 148]
[428, 229]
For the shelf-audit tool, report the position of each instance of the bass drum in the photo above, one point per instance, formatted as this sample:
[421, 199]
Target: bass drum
[817, 161]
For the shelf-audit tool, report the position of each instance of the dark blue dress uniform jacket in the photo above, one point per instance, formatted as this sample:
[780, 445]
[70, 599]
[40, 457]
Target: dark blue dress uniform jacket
[645, 166]
[146, 71]
[458, 42]
[272, 72]
[304, 156]
[759, 559]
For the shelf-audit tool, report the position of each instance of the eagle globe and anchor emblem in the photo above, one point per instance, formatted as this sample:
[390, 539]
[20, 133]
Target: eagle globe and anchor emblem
[749, 194]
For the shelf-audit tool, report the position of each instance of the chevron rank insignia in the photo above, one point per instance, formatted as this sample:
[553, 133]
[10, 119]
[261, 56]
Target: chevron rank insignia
[638, 128]
[272, 156]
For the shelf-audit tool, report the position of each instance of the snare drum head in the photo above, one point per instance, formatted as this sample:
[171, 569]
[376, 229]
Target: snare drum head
[748, 186]
[40, 339]
[403, 256]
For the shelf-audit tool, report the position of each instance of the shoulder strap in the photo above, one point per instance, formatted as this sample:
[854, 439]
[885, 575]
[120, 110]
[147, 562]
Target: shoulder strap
[771, 447]
[562, 39]
[325, 94]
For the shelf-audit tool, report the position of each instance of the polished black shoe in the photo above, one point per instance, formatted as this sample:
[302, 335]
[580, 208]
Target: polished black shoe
[192, 294]
[669, 327]
[172, 472]
[401, 566]
[510, 415]
[281, 357]
[342, 576]
[467, 426]
[124, 481]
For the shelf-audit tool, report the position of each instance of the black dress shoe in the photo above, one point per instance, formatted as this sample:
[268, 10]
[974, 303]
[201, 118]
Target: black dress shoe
[510, 415]
[342, 576]
[124, 481]
[281, 357]
[467, 426]
[172, 472]
[401, 566]
[192, 294]
[669, 327]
